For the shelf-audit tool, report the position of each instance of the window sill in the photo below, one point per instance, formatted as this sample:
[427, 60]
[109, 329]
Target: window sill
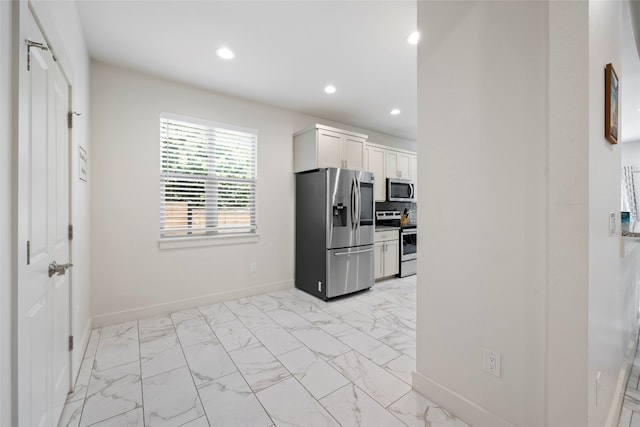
[196, 242]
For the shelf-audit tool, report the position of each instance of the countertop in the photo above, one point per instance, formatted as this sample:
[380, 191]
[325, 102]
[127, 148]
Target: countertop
[634, 230]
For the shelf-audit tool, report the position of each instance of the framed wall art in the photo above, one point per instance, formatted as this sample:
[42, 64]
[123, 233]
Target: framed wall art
[611, 108]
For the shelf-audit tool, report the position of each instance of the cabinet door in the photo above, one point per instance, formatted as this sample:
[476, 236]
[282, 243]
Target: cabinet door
[329, 149]
[397, 165]
[413, 168]
[375, 165]
[391, 165]
[391, 258]
[354, 152]
[402, 165]
[378, 260]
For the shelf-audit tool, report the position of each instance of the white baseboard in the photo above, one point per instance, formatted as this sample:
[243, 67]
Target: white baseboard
[618, 398]
[457, 405]
[78, 351]
[154, 310]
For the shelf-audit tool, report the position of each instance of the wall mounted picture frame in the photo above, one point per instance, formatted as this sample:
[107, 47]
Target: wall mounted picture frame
[611, 105]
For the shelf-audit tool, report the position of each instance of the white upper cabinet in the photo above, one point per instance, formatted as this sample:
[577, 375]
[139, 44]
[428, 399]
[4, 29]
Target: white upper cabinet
[327, 147]
[413, 168]
[354, 152]
[397, 165]
[330, 149]
[413, 174]
[375, 164]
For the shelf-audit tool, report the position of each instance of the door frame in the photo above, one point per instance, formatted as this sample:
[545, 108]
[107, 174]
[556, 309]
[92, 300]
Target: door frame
[6, 242]
[20, 123]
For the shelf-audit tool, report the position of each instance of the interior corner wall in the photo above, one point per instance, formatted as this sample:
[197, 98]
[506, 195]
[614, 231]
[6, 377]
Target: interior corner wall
[62, 27]
[5, 211]
[130, 276]
[567, 215]
[481, 277]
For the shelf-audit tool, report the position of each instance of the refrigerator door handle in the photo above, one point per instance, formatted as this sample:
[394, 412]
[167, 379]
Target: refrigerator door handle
[353, 252]
[359, 203]
[353, 203]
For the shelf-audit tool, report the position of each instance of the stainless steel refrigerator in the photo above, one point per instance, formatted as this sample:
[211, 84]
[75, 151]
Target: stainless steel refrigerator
[334, 231]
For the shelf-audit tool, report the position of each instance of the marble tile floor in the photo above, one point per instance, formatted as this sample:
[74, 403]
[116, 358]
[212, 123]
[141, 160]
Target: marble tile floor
[279, 359]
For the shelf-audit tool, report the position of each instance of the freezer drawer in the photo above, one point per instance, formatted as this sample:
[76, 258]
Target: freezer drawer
[349, 270]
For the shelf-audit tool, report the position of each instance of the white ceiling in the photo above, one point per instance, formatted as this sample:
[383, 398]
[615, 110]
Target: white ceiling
[286, 52]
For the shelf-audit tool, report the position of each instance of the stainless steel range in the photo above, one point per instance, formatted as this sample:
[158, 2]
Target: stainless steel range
[408, 251]
[408, 240]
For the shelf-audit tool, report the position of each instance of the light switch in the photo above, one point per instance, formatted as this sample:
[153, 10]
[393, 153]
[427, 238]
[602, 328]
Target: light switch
[612, 223]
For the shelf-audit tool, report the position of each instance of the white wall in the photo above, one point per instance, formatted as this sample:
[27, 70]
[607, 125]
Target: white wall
[482, 114]
[5, 213]
[543, 283]
[565, 287]
[609, 329]
[630, 91]
[630, 154]
[130, 275]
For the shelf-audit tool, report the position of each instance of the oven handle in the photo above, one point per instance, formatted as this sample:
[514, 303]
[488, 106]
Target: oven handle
[353, 253]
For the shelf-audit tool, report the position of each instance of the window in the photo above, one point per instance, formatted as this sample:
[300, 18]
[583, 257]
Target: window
[207, 178]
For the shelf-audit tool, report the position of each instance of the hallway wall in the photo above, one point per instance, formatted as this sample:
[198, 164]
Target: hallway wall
[482, 110]
[544, 282]
[609, 329]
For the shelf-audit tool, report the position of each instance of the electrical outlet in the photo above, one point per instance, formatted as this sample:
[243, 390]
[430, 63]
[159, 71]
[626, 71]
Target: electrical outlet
[491, 362]
[598, 386]
[253, 267]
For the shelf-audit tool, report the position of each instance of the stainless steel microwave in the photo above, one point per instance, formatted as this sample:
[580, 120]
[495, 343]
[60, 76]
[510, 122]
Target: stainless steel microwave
[400, 190]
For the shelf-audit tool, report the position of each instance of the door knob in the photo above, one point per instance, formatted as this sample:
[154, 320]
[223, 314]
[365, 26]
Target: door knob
[59, 269]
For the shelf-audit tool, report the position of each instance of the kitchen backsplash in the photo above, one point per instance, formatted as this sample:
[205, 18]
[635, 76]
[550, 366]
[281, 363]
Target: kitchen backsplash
[400, 206]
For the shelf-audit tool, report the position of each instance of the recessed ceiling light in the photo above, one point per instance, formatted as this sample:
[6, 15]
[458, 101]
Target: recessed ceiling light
[330, 89]
[225, 53]
[414, 38]
[395, 112]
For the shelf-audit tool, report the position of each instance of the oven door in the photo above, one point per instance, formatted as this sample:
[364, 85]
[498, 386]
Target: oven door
[408, 244]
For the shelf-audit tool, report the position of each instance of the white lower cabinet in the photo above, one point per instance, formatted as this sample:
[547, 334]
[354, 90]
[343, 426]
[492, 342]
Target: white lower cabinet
[386, 254]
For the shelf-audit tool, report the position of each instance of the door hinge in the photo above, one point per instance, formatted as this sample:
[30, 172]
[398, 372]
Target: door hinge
[70, 342]
[70, 120]
[70, 232]
[28, 252]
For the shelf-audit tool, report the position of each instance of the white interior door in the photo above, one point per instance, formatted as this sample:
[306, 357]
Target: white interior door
[43, 220]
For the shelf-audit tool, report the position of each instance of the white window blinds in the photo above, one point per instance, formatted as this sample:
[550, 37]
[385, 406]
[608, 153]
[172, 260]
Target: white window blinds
[207, 178]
